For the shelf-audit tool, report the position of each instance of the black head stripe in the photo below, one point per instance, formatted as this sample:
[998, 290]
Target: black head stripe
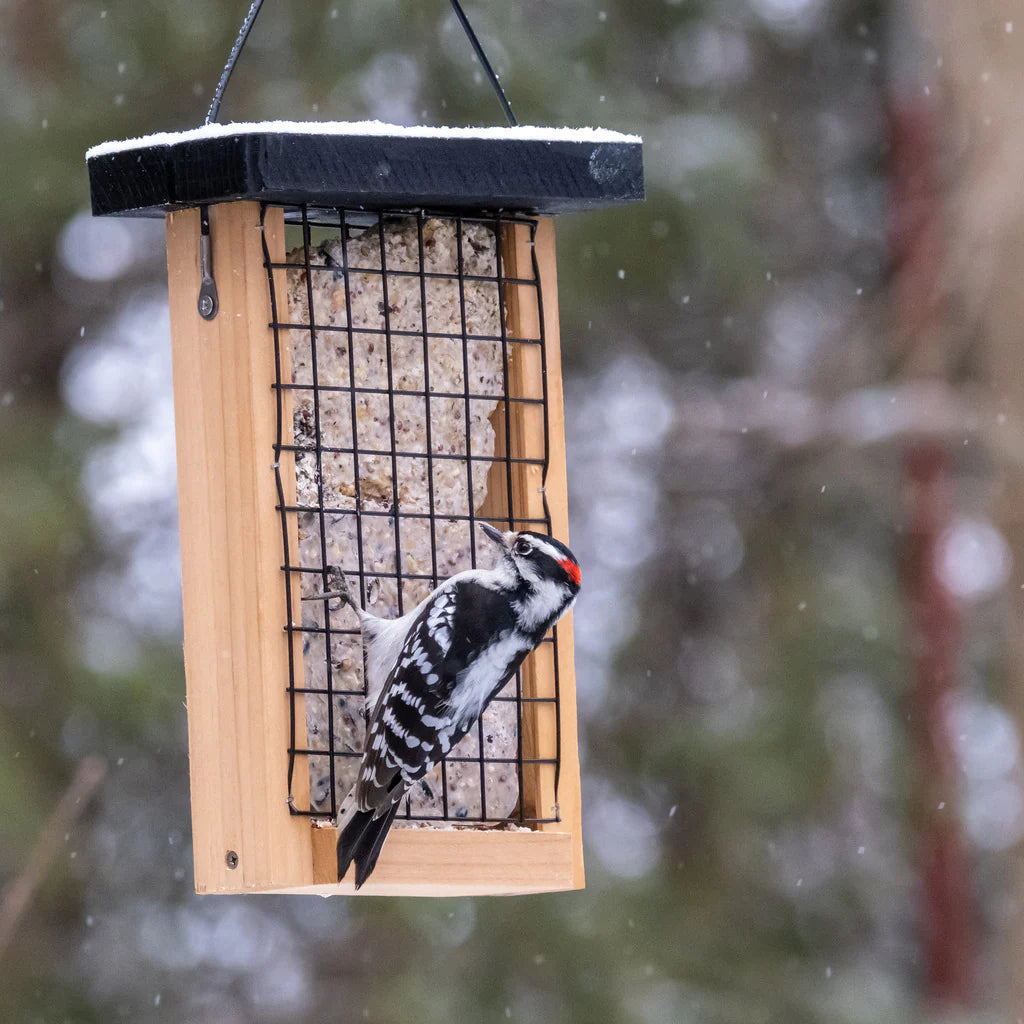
[548, 566]
[543, 538]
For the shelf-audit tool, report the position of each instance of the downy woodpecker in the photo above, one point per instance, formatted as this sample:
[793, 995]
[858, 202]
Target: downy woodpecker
[431, 673]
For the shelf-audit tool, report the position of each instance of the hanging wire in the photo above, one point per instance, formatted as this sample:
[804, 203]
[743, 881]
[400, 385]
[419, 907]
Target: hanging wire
[236, 50]
[254, 10]
[482, 57]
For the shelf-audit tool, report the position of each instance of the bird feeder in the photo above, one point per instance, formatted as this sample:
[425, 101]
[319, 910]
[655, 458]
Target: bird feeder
[366, 362]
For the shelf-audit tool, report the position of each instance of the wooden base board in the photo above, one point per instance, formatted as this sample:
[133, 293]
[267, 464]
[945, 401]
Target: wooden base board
[461, 862]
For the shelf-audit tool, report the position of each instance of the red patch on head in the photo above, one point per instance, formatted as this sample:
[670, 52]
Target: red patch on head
[572, 570]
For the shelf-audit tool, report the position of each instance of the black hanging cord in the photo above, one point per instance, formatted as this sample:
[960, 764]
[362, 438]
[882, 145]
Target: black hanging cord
[236, 50]
[254, 10]
[482, 57]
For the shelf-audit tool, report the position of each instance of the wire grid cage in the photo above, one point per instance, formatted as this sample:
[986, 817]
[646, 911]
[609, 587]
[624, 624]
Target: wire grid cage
[400, 391]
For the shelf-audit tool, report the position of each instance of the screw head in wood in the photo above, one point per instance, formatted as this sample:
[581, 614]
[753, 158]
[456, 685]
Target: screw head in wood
[231, 859]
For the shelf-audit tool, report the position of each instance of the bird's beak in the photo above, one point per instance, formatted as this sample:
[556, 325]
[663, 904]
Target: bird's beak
[494, 534]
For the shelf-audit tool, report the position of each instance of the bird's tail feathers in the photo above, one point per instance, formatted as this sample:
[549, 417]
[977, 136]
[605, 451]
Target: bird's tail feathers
[360, 838]
[370, 844]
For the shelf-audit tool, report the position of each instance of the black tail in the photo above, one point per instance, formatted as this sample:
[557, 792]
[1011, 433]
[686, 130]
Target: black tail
[361, 841]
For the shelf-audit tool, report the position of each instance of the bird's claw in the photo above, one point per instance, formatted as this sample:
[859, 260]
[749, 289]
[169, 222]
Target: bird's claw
[339, 589]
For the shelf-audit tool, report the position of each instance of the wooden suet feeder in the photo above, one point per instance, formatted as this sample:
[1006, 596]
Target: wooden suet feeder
[366, 361]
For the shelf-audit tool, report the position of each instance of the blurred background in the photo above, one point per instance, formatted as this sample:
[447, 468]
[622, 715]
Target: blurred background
[795, 397]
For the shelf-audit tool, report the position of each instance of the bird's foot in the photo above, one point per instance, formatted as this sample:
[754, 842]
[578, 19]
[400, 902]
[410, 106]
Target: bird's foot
[337, 589]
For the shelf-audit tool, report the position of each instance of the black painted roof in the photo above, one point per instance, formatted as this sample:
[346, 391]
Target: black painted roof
[522, 169]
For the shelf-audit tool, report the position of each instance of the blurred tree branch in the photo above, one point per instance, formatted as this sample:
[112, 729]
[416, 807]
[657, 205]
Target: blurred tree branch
[19, 892]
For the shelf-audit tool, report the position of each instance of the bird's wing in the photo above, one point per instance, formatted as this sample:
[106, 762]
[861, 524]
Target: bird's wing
[425, 708]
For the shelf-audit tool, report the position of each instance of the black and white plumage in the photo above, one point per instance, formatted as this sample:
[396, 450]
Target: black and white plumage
[432, 672]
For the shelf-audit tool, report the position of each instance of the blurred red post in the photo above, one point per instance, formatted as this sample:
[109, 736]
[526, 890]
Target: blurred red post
[947, 939]
[946, 915]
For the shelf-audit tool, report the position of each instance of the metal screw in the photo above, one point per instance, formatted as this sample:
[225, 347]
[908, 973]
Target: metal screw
[231, 859]
[205, 305]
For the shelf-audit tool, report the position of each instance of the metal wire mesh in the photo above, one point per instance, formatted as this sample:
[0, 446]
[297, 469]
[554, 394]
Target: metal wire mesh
[382, 442]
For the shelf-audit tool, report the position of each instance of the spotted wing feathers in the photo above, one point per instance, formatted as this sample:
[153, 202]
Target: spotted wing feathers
[411, 714]
[462, 648]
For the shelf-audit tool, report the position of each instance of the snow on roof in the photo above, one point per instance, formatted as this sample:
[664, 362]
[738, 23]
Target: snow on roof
[363, 128]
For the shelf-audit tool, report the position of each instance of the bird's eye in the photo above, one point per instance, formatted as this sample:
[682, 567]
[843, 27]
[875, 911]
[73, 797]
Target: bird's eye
[521, 547]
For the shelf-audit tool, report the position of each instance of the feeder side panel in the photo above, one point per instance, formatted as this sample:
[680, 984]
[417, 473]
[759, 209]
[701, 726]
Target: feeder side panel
[557, 490]
[236, 654]
[547, 727]
[526, 380]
